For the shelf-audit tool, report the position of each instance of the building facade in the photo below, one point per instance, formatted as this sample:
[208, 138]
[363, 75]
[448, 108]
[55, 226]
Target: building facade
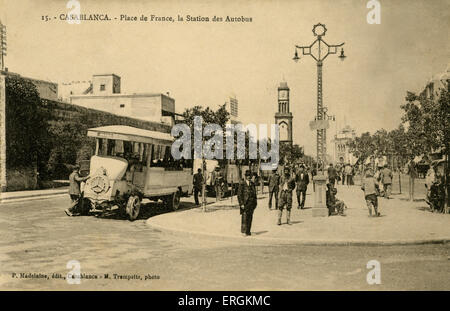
[104, 94]
[341, 148]
[232, 106]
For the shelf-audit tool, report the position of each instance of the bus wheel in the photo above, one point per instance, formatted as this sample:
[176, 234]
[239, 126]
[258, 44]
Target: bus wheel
[133, 207]
[173, 201]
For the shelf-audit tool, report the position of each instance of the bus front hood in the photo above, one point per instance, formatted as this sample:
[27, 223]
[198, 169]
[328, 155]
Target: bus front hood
[114, 167]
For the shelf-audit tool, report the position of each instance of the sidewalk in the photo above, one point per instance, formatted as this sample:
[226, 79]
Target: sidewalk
[402, 222]
[15, 196]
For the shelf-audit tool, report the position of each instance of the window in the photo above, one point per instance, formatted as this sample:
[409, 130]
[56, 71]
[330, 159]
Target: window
[122, 105]
[102, 87]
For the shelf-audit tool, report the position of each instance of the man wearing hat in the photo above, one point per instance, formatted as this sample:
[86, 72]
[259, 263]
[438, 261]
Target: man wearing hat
[274, 183]
[74, 189]
[247, 202]
[287, 185]
[302, 181]
[198, 184]
[386, 180]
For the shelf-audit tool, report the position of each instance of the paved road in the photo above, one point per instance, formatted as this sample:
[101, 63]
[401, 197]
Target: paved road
[37, 237]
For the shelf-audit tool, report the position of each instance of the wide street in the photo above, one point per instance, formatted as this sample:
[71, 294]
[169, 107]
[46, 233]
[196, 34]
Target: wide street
[37, 237]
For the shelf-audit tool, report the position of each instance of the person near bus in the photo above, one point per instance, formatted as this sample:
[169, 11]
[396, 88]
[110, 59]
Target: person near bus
[198, 182]
[74, 190]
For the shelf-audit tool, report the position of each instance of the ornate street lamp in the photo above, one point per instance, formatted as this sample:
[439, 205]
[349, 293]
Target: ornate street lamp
[319, 51]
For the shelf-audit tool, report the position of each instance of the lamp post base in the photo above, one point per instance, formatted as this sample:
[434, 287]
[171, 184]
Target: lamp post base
[320, 200]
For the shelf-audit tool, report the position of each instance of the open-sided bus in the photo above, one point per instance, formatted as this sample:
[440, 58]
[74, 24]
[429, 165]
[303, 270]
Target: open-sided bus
[130, 164]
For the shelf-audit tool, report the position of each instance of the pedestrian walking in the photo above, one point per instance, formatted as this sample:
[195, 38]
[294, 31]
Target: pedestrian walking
[369, 186]
[412, 172]
[247, 203]
[198, 182]
[287, 185]
[274, 183]
[302, 181]
[386, 180]
[74, 190]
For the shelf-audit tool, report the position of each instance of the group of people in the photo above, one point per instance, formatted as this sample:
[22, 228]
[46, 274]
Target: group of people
[217, 181]
[342, 173]
[282, 188]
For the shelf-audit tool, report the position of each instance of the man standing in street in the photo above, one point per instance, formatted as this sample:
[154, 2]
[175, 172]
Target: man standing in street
[386, 180]
[302, 181]
[74, 189]
[247, 203]
[287, 185]
[217, 180]
[198, 182]
[332, 174]
[349, 174]
[274, 183]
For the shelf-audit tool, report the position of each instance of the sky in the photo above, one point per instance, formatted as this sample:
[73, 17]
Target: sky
[203, 63]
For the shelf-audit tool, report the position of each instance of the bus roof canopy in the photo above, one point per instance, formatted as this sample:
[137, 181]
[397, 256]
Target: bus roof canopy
[128, 133]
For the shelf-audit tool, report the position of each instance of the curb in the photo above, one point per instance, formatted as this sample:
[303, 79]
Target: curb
[33, 196]
[303, 242]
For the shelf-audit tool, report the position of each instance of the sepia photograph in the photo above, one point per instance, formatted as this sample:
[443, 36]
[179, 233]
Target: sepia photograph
[249, 146]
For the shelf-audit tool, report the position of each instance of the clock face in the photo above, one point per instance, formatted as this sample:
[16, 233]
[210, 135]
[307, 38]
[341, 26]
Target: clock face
[283, 94]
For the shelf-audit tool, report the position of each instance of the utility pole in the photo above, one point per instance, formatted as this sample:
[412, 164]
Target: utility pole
[2, 108]
[2, 45]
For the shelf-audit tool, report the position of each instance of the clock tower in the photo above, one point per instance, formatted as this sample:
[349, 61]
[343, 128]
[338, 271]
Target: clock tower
[284, 117]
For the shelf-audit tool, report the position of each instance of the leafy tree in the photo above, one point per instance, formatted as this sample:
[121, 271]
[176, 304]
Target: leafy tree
[209, 116]
[26, 125]
[220, 116]
[362, 147]
[427, 119]
[290, 153]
